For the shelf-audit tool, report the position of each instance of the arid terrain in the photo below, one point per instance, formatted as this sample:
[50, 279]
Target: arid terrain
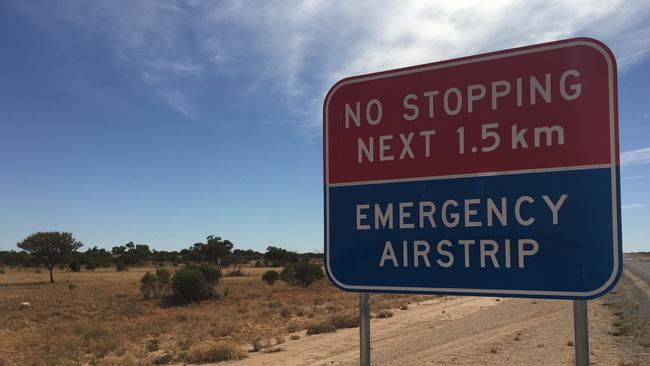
[99, 317]
[487, 331]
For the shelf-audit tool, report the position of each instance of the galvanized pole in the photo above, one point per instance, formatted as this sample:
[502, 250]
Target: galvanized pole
[364, 328]
[581, 332]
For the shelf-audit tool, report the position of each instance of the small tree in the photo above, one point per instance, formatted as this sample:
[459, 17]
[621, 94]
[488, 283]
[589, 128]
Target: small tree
[216, 249]
[270, 277]
[51, 248]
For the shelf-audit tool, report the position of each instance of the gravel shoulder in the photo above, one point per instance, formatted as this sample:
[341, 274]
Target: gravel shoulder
[484, 331]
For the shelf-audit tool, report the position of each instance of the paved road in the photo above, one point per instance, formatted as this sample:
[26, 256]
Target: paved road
[639, 267]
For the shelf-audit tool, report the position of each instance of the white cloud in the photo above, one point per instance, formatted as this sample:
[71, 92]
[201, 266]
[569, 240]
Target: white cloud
[632, 206]
[299, 49]
[636, 157]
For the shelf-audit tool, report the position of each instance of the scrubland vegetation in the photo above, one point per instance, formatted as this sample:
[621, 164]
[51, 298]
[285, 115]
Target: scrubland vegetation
[101, 317]
[206, 304]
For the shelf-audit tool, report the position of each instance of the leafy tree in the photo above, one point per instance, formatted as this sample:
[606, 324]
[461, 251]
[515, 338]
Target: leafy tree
[214, 250]
[13, 258]
[51, 248]
[118, 250]
[132, 254]
[279, 257]
[96, 257]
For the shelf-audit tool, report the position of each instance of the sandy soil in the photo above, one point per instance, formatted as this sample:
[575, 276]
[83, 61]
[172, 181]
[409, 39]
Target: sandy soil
[481, 331]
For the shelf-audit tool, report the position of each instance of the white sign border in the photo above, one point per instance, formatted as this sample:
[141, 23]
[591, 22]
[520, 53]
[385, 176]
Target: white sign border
[616, 272]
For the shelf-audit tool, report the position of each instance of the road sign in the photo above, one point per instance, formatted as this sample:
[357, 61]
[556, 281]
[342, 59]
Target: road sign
[494, 175]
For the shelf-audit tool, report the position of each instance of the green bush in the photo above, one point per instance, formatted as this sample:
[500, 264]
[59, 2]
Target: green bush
[288, 274]
[75, 266]
[164, 359]
[270, 277]
[120, 266]
[301, 274]
[91, 265]
[318, 328]
[211, 274]
[155, 285]
[190, 284]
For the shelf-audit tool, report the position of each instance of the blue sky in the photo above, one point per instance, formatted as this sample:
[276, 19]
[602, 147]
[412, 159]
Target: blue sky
[162, 122]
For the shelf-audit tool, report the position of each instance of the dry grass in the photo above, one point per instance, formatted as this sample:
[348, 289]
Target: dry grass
[215, 351]
[344, 320]
[100, 317]
[322, 327]
[384, 313]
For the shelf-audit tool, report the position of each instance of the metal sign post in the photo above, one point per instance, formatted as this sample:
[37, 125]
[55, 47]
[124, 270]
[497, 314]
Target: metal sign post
[581, 332]
[364, 328]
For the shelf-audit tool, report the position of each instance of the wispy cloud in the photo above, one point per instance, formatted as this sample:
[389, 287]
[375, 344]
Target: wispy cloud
[299, 49]
[636, 157]
[632, 206]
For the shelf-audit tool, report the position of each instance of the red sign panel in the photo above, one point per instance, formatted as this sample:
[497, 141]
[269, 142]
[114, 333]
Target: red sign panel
[486, 113]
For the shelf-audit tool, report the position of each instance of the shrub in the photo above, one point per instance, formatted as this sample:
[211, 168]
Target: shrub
[301, 274]
[285, 313]
[155, 285]
[293, 327]
[317, 328]
[189, 284]
[215, 351]
[257, 344]
[120, 266]
[91, 265]
[164, 359]
[210, 272]
[384, 313]
[153, 345]
[288, 274]
[344, 320]
[75, 266]
[270, 277]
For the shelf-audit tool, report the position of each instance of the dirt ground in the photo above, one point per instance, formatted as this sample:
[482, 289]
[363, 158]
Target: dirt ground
[100, 318]
[487, 331]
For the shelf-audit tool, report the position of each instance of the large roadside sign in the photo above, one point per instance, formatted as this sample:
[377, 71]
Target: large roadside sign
[494, 175]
